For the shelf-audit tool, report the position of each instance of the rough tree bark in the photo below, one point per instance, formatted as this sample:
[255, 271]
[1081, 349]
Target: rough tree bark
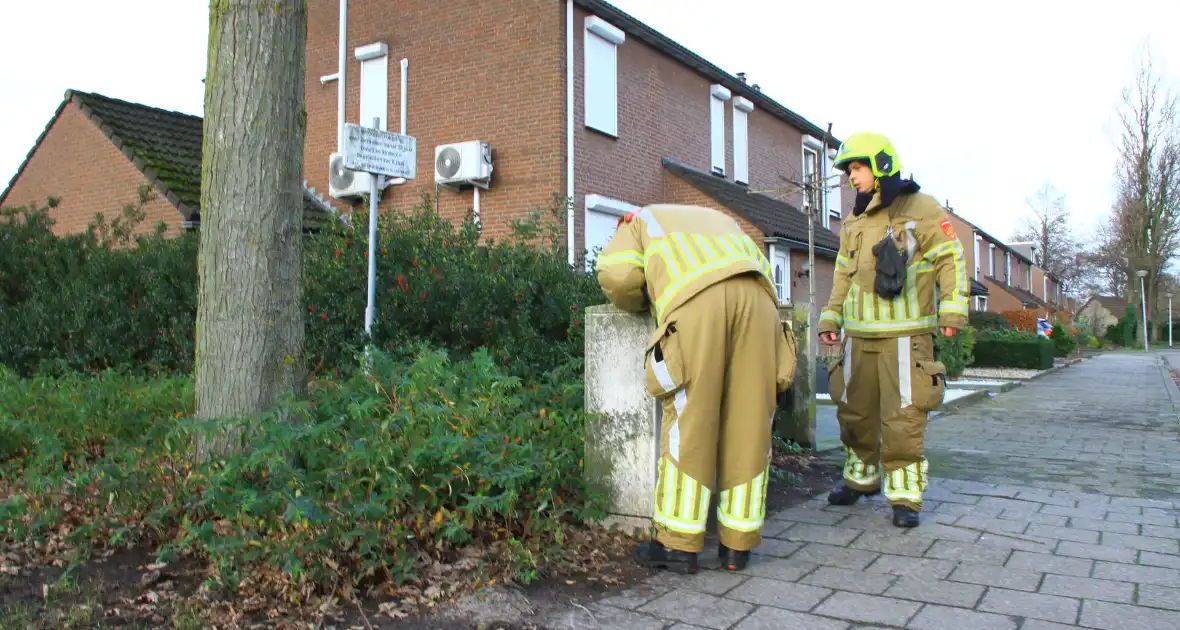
[250, 330]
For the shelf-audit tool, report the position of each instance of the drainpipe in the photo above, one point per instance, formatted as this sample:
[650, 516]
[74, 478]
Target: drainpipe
[397, 181]
[341, 64]
[569, 129]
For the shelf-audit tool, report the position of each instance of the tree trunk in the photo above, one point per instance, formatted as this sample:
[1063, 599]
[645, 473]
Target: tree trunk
[250, 328]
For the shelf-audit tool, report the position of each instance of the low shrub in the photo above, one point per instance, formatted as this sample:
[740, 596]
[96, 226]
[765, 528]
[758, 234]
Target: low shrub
[957, 352]
[426, 466]
[1025, 320]
[1063, 342]
[986, 320]
[1014, 349]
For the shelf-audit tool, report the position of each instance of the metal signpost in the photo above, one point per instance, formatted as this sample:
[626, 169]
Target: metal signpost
[378, 153]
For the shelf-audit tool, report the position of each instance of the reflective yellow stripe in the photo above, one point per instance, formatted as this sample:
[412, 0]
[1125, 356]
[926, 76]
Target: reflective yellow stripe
[831, 316]
[675, 287]
[841, 260]
[743, 508]
[908, 483]
[673, 268]
[631, 257]
[885, 326]
[682, 503]
[706, 249]
[955, 307]
[685, 251]
[858, 472]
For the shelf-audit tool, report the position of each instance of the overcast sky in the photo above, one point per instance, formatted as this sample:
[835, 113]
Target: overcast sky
[984, 102]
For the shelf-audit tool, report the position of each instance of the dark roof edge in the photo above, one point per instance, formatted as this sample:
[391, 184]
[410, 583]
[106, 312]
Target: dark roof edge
[185, 210]
[660, 41]
[794, 243]
[36, 145]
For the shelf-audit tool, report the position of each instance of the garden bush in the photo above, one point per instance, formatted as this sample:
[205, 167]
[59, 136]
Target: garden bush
[986, 320]
[957, 352]
[105, 299]
[1063, 343]
[1014, 349]
[378, 479]
[1024, 320]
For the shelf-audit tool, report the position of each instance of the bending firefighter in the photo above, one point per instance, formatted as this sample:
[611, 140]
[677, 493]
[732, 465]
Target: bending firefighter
[897, 245]
[712, 365]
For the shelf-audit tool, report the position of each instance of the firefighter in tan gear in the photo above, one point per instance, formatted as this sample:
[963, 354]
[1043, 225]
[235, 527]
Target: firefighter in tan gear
[899, 276]
[717, 361]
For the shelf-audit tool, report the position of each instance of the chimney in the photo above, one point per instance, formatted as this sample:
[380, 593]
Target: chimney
[757, 88]
[742, 76]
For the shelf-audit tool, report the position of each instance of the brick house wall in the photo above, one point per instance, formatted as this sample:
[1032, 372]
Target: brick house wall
[76, 163]
[998, 298]
[489, 71]
[676, 190]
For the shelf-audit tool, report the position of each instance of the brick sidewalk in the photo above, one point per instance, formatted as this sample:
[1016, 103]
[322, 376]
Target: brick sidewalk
[1055, 506]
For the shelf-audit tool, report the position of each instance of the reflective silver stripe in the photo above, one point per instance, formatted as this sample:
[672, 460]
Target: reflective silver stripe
[653, 227]
[904, 371]
[847, 369]
[662, 375]
[674, 440]
[911, 243]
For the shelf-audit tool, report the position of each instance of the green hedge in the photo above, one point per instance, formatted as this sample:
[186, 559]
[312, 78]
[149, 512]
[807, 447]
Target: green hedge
[986, 320]
[1014, 349]
[957, 353]
[78, 303]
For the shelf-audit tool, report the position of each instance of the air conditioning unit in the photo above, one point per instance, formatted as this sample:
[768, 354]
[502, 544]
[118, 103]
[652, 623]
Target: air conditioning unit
[343, 183]
[463, 163]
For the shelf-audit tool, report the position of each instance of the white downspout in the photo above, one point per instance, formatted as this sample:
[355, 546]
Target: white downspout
[569, 128]
[397, 181]
[476, 206]
[341, 65]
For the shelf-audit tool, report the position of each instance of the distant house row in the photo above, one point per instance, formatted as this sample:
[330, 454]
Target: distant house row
[568, 97]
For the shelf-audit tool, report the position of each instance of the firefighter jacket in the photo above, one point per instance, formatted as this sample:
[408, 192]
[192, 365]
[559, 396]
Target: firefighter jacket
[921, 227]
[664, 254]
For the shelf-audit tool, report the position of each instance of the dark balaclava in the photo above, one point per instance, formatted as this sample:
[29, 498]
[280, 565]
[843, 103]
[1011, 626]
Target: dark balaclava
[890, 186]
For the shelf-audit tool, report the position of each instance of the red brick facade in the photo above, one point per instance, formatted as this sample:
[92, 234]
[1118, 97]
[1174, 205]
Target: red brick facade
[76, 163]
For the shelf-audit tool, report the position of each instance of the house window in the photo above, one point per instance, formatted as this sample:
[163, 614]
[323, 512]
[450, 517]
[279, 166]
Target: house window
[1028, 278]
[602, 219]
[991, 260]
[374, 103]
[741, 140]
[781, 267]
[981, 302]
[811, 147]
[602, 75]
[717, 96]
[1008, 268]
[833, 190]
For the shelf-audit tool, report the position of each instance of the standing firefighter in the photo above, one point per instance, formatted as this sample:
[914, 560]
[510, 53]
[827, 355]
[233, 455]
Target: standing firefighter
[716, 362]
[897, 245]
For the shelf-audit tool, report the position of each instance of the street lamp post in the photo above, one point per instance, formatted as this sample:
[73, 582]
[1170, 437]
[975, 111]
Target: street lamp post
[1142, 273]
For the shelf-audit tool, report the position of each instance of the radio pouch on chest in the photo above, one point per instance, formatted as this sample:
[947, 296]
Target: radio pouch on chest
[891, 267]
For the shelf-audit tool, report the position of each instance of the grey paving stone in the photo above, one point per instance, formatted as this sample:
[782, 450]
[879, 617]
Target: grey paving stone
[1092, 512]
[784, 570]
[1032, 605]
[893, 543]
[936, 592]
[868, 609]
[772, 528]
[698, 608]
[788, 595]
[944, 618]
[1043, 563]
[992, 524]
[1159, 596]
[849, 580]
[1142, 519]
[923, 568]
[635, 596]
[968, 509]
[1015, 506]
[1051, 498]
[830, 556]
[684, 626]
[1159, 559]
[1063, 533]
[944, 531]
[768, 618]
[711, 582]
[1089, 588]
[1141, 503]
[1111, 616]
[1040, 624]
[1023, 542]
[965, 552]
[1104, 526]
[597, 616]
[824, 534]
[776, 547]
[809, 513]
[1137, 573]
[1038, 519]
[1160, 531]
[1095, 552]
[1001, 577]
[1144, 543]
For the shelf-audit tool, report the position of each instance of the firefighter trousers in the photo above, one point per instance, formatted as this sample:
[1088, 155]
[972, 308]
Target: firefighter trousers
[884, 389]
[714, 373]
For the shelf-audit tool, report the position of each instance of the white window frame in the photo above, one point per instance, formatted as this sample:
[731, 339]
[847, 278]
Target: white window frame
[835, 191]
[600, 82]
[604, 205]
[374, 87]
[718, 94]
[813, 146]
[991, 260]
[782, 285]
[1008, 268]
[1028, 278]
[981, 302]
[741, 139]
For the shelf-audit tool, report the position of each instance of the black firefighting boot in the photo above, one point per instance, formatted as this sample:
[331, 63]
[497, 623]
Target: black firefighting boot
[653, 554]
[848, 496]
[732, 560]
[904, 516]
